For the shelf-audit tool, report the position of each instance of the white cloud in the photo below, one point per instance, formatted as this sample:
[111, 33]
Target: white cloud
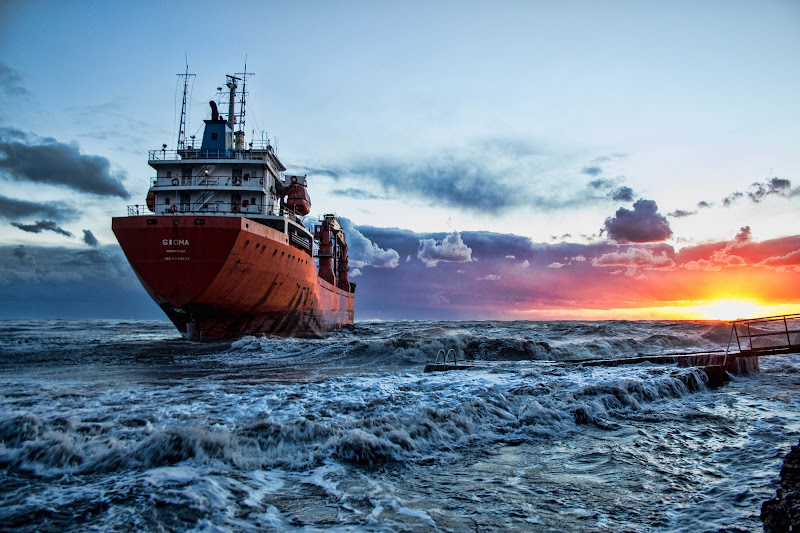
[450, 249]
[363, 252]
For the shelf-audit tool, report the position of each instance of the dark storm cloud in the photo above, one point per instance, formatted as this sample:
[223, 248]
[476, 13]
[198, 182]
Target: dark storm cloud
[507, 273]
[595, 167]
[90, 239]
[602, 183]
[621, 194]
[745, 235]
[54, 163]
[56, 282]
[488, 177]
[42, 225]
[11, 81]
[759, 190]
[643, 224]
[447, 181]
[64, 264]
[357, 194]
[319, 171]
[732, 197]
[592, 171]
[777, 186]
[11, 208]
[616, 194]
[23, 256]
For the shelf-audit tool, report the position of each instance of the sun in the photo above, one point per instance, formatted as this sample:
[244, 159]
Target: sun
[729, 309]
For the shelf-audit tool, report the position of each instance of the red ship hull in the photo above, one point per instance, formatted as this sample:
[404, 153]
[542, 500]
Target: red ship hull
[228, 276]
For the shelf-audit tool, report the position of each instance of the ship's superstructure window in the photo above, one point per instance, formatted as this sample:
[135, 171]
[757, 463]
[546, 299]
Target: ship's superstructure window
[214, 136]
[166, 201]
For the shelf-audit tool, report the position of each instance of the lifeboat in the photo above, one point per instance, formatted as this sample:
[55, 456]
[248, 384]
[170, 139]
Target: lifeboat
[297, 198]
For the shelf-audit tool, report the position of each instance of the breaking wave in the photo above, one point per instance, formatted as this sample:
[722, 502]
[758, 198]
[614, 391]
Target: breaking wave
[120, 425]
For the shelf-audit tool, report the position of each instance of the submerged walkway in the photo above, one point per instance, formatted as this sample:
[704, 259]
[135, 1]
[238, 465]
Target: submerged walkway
[773, 335]
[754, 338]
[749, 339]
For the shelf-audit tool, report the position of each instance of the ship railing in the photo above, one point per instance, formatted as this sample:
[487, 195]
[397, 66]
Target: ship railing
[255, 153]
[138, 210]
[245, 182]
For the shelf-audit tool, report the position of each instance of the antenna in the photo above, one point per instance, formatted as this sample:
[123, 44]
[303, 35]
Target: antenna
[243, 100]
[182, 128]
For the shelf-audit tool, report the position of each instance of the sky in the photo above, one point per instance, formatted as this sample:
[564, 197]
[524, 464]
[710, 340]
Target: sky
[505, 160]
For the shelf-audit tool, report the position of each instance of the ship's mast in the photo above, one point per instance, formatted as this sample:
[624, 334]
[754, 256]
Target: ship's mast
[231, 84]
[182, 128]
[244, 75]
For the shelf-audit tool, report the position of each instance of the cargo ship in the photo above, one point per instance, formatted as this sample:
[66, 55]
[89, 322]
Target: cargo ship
[220, 244]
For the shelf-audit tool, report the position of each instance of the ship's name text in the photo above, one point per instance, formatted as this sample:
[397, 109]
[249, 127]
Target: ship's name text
[175, 242]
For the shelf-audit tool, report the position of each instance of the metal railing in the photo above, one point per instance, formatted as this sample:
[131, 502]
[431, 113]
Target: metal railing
[259, 152]
[216, 180]
[443, 357]
[772, 334]
[214, 209]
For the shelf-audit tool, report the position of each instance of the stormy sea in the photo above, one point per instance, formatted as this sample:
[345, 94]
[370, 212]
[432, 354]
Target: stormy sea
[124, 425]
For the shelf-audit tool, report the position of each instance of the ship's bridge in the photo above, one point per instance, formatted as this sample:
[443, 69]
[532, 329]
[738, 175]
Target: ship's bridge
[216, 181]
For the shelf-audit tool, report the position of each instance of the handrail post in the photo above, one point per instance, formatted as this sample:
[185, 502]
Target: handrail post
[728, 348]
[749, 337]
[786, 327]
[738, 342]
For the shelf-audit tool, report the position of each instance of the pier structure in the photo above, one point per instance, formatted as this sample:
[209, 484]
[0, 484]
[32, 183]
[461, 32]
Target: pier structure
[749, 340]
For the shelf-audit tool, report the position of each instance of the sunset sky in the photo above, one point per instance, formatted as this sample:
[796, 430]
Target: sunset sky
[504, 160]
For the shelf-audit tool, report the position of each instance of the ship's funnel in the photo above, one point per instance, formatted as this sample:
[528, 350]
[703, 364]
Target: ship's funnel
[214, 112]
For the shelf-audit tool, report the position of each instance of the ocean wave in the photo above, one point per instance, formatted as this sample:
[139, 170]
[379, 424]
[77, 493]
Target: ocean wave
[411, 418]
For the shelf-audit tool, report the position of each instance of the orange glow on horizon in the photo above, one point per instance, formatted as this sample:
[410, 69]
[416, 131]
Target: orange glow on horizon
[720, 309]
